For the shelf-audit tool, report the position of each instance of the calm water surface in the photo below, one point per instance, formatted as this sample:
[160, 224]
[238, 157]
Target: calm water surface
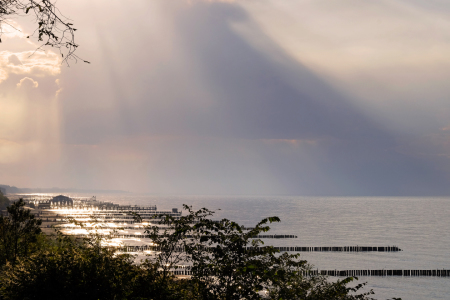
[419, 226]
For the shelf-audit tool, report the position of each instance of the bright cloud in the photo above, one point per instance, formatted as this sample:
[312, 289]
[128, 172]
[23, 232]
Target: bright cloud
[23, 56]
[27, 82]
[11, 29]
[29, 62]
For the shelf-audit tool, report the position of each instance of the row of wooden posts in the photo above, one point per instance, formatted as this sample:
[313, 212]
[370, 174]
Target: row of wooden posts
[257, 236]
[408, 273]
[357, 273]
[340, 249]
[287, 249]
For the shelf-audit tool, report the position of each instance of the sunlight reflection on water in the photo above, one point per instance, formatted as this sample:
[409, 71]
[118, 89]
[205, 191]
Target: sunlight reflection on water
[419, 226]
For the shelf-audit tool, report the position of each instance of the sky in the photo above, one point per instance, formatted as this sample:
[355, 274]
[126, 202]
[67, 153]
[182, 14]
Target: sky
[248, 97]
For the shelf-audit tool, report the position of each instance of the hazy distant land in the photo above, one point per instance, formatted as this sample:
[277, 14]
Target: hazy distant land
[15, 190]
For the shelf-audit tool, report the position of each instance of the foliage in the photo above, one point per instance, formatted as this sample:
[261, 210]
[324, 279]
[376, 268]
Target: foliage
[53, 29]
[69, 268]
[82, 269]
[19, 232]
[317, 287]
[227, 263]
[4, 201]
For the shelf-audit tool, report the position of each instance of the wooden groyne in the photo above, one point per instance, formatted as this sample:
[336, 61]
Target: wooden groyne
[275, 236]
[355, 273]
[189, 236]
[339, 249]
[284, 249]
[404, 273]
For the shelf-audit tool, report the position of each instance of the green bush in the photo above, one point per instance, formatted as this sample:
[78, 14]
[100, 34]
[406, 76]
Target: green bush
[4, 201]
[19, 232]
[229, 264]
[222, 264]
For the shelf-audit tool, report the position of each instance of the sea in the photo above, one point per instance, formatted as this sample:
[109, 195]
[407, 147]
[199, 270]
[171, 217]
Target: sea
[420, 226]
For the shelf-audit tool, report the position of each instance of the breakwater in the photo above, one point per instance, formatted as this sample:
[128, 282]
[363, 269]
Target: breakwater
[189, 236]
[341, 249]
[356, 273]
[284, 249]
[404, 273]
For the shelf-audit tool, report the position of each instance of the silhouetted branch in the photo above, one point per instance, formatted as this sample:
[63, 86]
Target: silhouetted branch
[53, 28]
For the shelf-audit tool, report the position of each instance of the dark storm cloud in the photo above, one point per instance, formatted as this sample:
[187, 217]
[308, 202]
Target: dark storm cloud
[256, 96]
[250, 94]
[218, 85]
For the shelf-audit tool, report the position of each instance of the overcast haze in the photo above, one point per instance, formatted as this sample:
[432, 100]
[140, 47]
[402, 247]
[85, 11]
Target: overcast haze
[234, 97]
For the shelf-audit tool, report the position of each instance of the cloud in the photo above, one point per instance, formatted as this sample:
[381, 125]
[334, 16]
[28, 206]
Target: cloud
[213, 83]
[27, 82]
[14, 60]
[433, 146]
[23, 56]
[347, 38]
[211, 1]
[11, 29]
[286, 127]
[30, 63]
[206, 99]
[40, 62]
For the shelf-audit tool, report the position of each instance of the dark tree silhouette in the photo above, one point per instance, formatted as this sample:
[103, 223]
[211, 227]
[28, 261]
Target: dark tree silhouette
[4, 201]
[227, 262]
[18, 232]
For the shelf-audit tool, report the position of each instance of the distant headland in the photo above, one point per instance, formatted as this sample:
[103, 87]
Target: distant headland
[15, 190]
